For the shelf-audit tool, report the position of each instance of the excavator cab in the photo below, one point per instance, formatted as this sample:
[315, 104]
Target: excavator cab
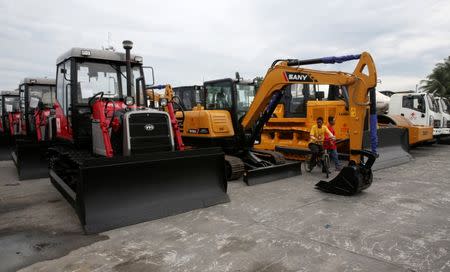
[37, 96]
[218, 123]
[117, 162]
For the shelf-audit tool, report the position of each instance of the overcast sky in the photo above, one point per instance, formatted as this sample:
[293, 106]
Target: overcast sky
[191, 41]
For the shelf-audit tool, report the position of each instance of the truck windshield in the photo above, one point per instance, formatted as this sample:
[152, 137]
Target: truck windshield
[109, 78]
[445, 105]
[45, 94]
[431, 103]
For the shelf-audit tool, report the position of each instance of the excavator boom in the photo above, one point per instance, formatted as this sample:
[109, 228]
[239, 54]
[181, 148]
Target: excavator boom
[357, 88]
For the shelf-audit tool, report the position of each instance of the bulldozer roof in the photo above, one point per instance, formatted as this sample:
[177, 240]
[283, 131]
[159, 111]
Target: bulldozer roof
[38, 81]
[98, 54]
[7, 92]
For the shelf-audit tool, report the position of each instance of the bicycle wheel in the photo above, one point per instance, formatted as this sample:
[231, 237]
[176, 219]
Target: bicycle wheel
[308, 166]
[326, 163]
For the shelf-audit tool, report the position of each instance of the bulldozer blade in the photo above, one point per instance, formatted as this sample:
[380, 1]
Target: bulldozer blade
[393, 147]
[30, 159]
[5, 148]
[353, 178]
[115, 192]
[271, 173]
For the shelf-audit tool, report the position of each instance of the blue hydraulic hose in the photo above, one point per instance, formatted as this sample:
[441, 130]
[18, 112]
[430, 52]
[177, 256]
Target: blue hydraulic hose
[373, 121]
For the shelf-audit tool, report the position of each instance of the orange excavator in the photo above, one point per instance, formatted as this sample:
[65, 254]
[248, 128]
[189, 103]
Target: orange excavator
[233, 116]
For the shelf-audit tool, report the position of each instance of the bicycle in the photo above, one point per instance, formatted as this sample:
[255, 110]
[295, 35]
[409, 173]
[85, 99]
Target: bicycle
[322, 160]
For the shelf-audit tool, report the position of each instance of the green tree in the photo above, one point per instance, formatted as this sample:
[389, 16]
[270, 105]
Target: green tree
[439, 79]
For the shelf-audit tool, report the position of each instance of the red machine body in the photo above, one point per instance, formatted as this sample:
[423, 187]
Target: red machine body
[41, 120]
[103, 111]
[16, 126]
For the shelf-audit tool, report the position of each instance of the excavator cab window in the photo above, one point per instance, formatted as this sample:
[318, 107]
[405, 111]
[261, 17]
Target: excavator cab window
[245, 96]
[219, 96]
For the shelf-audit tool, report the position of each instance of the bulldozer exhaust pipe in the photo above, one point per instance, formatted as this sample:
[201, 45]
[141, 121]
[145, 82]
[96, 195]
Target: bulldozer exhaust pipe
[128, 45]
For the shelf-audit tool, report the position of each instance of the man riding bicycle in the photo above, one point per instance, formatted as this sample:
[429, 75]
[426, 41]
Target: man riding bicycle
[317, 137]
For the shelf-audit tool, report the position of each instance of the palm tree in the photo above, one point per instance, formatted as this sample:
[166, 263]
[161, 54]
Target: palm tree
[439, 79]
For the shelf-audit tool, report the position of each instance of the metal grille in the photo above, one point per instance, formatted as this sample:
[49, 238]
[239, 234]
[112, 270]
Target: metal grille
[149, 132]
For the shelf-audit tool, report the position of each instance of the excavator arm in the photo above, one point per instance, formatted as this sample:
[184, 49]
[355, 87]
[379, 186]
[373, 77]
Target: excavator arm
[288, 72]
[357, 88]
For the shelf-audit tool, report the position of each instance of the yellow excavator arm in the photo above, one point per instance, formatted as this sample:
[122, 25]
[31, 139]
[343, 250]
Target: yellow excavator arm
[287, 72]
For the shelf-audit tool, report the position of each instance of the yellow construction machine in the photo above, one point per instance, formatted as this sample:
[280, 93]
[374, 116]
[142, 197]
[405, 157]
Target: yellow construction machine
[288, 129]
[233, 116]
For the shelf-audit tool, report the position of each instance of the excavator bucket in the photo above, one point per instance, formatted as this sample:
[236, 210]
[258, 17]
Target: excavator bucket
[393, 147]
[353, 178]
[30, 158]
[108, 193]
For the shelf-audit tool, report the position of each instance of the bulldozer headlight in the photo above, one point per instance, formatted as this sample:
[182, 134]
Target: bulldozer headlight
[129, 101]
[163, 102]
[85, 53]
[138, 59]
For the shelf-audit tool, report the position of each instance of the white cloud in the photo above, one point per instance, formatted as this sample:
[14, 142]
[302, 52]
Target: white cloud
[188, 41]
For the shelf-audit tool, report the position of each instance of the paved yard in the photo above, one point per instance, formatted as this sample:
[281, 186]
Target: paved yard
[401, 223]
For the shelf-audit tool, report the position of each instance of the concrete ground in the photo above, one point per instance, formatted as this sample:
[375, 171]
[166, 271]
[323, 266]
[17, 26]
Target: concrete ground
[401, 223]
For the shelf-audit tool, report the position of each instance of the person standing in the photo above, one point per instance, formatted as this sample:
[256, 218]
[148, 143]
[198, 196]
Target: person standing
[330, 144]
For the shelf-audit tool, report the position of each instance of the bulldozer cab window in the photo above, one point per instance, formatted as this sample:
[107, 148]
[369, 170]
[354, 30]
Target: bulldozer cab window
[63, 85]
[22, 97]
[135, 73]
[218, 96]
[94, 78]
[12, 104]
[245, 96]
[45, 94]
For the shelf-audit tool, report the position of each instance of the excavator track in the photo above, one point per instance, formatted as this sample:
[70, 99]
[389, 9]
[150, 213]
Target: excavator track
[235, 167]
[276, 157]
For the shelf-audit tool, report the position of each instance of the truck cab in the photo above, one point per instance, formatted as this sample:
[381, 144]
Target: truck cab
[444, 108]
[419, 108]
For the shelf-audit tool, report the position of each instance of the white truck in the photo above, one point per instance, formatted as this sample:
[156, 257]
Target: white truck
[443, 106]
[419, 108]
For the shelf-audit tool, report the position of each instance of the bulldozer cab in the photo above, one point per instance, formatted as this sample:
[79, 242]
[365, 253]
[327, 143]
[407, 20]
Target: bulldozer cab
[10, 105]
[35, 93]
[232, 95]
[84, 73]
